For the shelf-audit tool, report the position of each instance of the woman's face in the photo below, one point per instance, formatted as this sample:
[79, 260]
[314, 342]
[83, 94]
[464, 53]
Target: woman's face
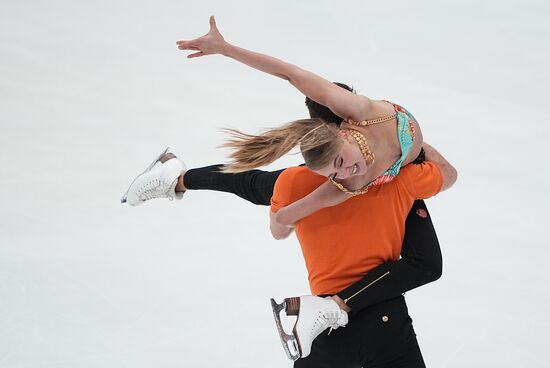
[348, 162]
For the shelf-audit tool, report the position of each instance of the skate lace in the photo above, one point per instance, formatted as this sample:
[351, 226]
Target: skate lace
[323, 321]
[155, 188]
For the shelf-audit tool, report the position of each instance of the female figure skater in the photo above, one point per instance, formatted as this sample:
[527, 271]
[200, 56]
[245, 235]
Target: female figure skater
[378, 137]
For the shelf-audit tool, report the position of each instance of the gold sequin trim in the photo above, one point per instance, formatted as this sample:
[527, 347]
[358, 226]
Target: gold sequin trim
[372, 121]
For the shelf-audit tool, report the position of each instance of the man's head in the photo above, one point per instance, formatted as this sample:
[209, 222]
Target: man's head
[318, 111]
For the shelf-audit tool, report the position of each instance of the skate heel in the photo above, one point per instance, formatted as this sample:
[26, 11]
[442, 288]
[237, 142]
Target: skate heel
[289, 342]
[292, 306]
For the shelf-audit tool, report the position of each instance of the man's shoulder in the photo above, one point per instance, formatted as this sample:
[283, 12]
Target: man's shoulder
[299, 174]
[421, 180]
[424, 168]
[410, 169]
[295, 183]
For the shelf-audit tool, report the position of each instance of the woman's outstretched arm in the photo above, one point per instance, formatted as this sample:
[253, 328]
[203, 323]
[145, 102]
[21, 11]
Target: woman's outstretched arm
[342, 102]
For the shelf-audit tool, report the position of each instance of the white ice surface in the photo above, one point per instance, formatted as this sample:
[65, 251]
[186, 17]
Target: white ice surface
[90, 91]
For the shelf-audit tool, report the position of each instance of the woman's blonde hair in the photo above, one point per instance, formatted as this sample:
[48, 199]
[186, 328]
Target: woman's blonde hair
[319, 143]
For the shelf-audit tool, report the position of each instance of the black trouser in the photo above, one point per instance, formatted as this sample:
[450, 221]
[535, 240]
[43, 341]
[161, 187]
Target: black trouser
[421, 260]
[381, 335]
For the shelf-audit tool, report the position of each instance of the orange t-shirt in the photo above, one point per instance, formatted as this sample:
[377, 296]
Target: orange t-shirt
[341, 244]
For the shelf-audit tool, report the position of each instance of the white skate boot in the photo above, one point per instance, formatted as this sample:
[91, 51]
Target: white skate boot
[159, 180]
[315, 315]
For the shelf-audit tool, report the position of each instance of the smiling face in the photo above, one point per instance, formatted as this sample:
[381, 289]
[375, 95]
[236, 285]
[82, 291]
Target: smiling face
[348, 162]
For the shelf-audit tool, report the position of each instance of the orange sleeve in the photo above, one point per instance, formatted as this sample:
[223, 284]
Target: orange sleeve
[293, 184]
[422, 181]
[282, 190]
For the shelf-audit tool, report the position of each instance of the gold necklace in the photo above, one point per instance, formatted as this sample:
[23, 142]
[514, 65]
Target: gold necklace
[362, 142]
[367, 155]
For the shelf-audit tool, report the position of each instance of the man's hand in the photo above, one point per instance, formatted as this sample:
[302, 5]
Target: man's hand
[209, 44]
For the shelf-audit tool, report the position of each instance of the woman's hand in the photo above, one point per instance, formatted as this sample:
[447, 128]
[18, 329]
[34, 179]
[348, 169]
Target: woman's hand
[209, 44]
[344, 103]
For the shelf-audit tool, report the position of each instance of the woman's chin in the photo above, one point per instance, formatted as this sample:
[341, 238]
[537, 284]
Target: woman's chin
[362, 170]
[356, 170]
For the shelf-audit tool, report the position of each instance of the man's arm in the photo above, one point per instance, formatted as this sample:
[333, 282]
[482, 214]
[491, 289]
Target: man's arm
[278, 230]
[448, 172]
[420, 263]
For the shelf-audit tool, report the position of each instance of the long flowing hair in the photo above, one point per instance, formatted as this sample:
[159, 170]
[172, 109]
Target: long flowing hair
[319, 143]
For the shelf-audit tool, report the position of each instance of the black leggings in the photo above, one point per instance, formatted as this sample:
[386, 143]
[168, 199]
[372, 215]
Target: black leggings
[420, 261]
[255, 186]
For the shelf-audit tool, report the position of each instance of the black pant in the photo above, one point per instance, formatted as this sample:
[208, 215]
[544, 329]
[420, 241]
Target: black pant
[421, 261]
[379, 336]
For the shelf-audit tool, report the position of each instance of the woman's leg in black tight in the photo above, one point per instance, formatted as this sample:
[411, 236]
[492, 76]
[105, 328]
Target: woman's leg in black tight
[420, 264]
[255, 186]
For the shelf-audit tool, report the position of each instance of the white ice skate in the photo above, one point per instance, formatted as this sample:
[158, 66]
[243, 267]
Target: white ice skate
[315, 315]
[159, 180]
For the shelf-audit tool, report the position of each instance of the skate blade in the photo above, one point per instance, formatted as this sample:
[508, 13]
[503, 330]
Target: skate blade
[125, 196]
[289, 342]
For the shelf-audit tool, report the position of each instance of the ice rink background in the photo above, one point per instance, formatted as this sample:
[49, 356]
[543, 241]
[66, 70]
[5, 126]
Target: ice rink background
[91, 91]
